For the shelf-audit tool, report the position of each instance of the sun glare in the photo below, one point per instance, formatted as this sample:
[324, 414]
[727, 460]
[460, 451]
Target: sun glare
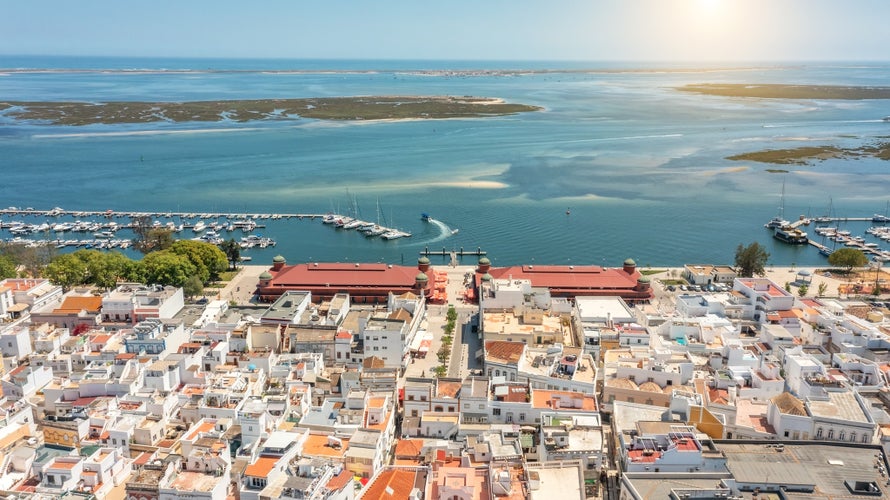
[709, 5]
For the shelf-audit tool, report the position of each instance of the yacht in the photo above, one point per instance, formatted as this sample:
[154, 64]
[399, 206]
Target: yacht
[790, 235]
[199, 226]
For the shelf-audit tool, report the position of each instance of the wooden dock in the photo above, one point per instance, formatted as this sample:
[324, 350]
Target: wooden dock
[447, 253]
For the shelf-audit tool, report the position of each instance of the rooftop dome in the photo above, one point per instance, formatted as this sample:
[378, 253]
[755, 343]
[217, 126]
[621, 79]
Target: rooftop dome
[423, 260]
[278, 258]
[266, 275]
[644, 279]
[421, 277]
[483, 261]
[486, 277]
[804, 272]
[630, 262]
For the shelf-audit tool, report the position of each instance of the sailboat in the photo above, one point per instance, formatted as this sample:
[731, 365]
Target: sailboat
[883, 218]
[779, 220]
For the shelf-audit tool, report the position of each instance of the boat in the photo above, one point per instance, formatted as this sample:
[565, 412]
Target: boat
[199, 226]
[886, 119]
[790, 235]
[425, 217]
[455, 231]
[779, 221]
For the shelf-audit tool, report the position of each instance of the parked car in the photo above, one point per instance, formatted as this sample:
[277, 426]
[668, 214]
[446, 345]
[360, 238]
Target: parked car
[671, 288]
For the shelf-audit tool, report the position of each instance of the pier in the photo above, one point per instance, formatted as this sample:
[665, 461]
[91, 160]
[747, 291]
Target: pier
[446, 253]
[58, 212]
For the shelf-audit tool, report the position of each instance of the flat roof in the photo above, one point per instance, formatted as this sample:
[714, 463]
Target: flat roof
[603, 308]
[840, 405]
[822, 466]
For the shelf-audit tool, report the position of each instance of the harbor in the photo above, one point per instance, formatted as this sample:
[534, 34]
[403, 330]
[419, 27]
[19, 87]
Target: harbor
[828, 229]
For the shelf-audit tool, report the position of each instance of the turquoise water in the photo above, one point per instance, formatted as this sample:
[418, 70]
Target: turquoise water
[641, 166]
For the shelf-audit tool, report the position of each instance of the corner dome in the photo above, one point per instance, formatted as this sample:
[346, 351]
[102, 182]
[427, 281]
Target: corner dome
[630, 262]
[423, 260]
[483, 261]
[421, 277]
[486, 277]
[278, 258]
[266, 275]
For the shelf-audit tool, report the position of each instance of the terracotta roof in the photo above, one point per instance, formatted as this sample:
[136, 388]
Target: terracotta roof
[391, 483]
[583, 280]
[504, 351]
[544, 399]
[340, 481]
[336, 275]
[409, 447]
[373, 362]
[622, 383]
[376, 402]
[90, 304]
[447, 389]
[262, 467]
[650, 387]
[789, 404]
[400, 314]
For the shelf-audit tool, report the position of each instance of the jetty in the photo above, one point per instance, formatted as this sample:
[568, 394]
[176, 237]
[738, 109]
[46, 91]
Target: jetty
[446, 253]
[58, 212]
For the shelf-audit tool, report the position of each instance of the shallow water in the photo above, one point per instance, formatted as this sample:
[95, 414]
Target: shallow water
[640, 165]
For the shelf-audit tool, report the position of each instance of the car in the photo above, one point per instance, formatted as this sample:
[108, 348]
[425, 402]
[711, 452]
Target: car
[683, 287]
[671, 288]
[201, 301]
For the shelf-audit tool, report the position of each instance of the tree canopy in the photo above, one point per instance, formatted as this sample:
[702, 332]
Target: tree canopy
[847, 258]
[7, 267]
[207, 258]
[167, 268]
[750, 260]
[233, 252]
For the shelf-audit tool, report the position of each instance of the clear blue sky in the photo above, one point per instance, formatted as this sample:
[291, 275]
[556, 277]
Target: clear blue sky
[596, 30]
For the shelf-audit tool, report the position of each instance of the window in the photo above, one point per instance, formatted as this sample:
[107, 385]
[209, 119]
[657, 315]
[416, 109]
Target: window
[842, 435]
[482, 406]
[819, 433]
[670, 382]
[852, 437]
[787, 433]
[830, 433]
[496, 411]
[413, 413]
[865, 438]
[411, 397]
[522, 417]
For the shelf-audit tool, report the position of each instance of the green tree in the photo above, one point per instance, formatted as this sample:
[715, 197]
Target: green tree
[788, 286]
[108, 268]
[750, 260]
[207, 258]
[802, 290]
[31, 259]
[193, 286]
[66, 270]
[848, 258]
[822, 289]
[7, 267]
[233, 252]
[150, 238]
[167, 268]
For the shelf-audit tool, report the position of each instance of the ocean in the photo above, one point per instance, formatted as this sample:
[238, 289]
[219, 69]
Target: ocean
[640, 167]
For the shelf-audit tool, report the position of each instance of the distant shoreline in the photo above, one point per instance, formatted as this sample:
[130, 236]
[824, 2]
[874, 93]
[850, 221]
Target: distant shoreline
[332, 108]
[788, 91]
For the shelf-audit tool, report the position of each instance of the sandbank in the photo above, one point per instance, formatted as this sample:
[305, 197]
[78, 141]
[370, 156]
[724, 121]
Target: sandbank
[788, 91]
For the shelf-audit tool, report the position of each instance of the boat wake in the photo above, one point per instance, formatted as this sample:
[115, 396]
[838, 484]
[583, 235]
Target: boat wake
[444, 232]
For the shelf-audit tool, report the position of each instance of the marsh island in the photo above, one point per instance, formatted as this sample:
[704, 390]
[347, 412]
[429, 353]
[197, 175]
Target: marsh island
[331, 108]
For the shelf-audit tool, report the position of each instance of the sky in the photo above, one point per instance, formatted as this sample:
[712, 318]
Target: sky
[582, 30]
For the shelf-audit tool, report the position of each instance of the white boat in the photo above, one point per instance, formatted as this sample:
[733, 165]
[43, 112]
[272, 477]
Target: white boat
[199, 226]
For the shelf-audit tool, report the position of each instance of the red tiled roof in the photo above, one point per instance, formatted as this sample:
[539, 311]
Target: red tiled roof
[392, 483]
[91, 304]
[504, 351]
[339, 482]
[409, 447]
[336, 275]
[585, 280]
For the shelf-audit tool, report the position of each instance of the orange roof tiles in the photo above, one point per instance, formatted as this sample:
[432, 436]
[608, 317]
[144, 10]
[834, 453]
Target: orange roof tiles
[504, 351]
[90, 304]
[409, 447]
[339, 482]
[262, 467]
[392, 483]
[447, 389]
[204, 427]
